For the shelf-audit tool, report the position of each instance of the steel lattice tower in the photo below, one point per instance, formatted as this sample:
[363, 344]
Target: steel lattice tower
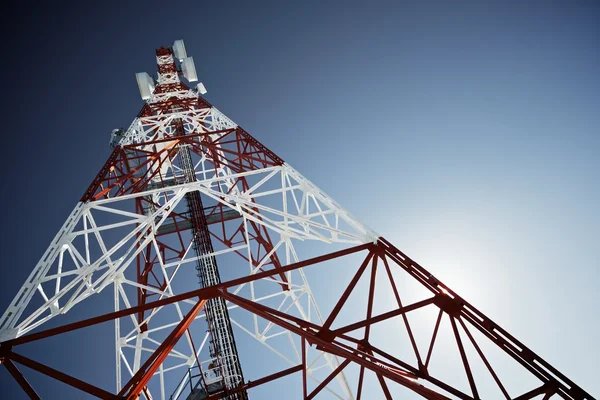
[186, 189]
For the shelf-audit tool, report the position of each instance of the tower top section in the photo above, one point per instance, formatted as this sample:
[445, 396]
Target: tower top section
[169, 93]
[173, 63]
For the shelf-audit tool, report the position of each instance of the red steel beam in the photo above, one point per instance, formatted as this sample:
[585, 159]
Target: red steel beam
[136, 384]
[205, 293]
[304, 387]
[134, 146]
[463, 356]
[332, 348]
[384, 387]
[540, 368]
[361, 377]
[535, 392]
[61, 376]
[258, 382]
[347, 292]
[451, 303]
[112, 175]
[433, 337]
[484, 359]
[404, 318]
[14, 371]
[382, 317]
[329, 378]
[155, 361]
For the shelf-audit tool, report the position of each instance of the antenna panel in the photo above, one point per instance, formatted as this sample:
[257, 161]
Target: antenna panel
[189, 69]
[179, 50]
[145, 84]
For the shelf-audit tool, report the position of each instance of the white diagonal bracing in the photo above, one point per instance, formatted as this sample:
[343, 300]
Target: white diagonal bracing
[101, 240]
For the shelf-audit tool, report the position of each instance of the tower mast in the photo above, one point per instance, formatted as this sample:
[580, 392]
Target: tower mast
[225, 366]
[184, 187]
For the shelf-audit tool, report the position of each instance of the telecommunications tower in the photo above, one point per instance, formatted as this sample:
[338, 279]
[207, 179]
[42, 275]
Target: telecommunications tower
[199, 240]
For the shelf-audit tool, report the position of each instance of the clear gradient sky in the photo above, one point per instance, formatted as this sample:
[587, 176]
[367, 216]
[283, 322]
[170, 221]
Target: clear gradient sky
[467, 133]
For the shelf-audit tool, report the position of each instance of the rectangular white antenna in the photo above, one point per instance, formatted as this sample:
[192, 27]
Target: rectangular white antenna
[179, 50]
[201, 88]
[145, 84]
[189, 69]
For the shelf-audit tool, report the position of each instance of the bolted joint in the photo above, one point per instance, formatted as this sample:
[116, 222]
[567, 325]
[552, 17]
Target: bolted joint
[326, 335]
[423, 372]
[363, 345]
[5, 350]
[452, 306]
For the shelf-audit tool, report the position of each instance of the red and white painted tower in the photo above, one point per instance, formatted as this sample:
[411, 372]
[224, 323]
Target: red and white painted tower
[196, 233]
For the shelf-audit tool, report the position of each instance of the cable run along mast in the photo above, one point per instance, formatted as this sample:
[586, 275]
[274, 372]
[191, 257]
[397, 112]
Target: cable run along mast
[188, 197]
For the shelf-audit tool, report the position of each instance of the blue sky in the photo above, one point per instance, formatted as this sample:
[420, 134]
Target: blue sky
[466, 133]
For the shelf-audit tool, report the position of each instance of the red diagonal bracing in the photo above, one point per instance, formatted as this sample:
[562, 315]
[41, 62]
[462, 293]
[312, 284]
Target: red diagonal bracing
[329, 378]
[311, 336]
[61, 376]
[138, 382]
[135, 168]
[361, 351]
[448, 303]
[457, 307]
[166, 106]
[257, 382]
[262, 250]
[18, 376]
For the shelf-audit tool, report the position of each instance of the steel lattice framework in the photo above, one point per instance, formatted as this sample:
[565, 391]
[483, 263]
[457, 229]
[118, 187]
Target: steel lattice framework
[183, 167]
